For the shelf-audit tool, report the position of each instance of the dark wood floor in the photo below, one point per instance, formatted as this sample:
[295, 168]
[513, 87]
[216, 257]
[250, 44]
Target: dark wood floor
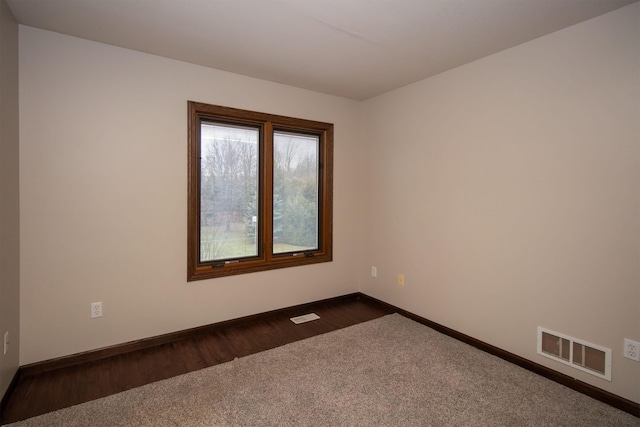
[40, 390]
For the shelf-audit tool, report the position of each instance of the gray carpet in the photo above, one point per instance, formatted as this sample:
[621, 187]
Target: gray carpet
[390, 371]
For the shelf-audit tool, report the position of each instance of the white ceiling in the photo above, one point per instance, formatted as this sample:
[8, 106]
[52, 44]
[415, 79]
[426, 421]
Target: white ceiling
[351, 48]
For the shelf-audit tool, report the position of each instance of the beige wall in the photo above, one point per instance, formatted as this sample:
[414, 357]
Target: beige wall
[104, 194]
[508, 193]
[9, 198]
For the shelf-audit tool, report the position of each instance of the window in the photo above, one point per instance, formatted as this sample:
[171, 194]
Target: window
[259, 191]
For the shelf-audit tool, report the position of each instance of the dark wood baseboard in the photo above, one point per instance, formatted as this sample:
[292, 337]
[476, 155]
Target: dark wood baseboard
[572, 383]
[118, 349]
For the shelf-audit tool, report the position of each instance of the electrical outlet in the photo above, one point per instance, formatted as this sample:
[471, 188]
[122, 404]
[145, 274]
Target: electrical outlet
[400, 279]
[374, 272]
[96, 309]
[632, 350]
[6, 342]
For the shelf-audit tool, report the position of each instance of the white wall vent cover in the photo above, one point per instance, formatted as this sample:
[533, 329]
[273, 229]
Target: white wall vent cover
[582, 355]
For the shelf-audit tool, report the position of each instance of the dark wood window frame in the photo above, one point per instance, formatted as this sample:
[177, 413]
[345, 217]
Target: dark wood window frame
[266, 259]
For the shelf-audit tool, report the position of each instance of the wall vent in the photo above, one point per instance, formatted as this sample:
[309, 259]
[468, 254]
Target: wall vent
[582, 355]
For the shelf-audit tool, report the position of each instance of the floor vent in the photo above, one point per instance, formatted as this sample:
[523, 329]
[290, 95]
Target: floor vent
[305, 318]
[582, 355]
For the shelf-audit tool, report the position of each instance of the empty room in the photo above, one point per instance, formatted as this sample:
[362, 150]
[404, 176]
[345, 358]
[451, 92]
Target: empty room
[329, 212]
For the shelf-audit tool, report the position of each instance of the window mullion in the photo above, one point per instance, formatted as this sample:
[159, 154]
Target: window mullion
[267, 191]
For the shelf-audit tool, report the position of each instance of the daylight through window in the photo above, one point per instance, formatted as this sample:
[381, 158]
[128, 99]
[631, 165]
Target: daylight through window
[260, 191]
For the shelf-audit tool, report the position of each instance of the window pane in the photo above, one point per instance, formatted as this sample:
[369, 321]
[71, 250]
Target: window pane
[295, 192]
[228, 191]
